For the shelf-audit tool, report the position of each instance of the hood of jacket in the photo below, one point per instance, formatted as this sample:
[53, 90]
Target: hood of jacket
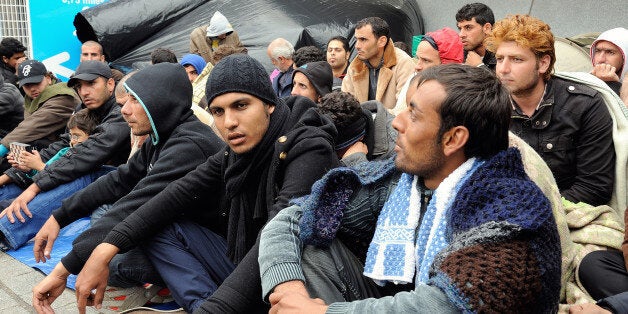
[618, 37]
[165, 93]
[218, 25]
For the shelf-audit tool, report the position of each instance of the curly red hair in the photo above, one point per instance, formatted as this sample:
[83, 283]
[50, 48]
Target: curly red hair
[526, 31]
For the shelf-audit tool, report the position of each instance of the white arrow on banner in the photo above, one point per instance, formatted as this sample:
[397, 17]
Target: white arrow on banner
[53, 64]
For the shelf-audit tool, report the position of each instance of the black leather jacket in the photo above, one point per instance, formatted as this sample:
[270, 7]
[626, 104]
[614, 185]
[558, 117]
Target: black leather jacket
[572, 131]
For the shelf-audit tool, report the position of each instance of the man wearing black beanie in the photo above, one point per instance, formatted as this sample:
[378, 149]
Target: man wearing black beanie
[203, 224]
[312, 80]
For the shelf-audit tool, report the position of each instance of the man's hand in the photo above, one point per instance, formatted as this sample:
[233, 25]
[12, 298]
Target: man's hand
[31, 161]
[292, 286]
[357, 147]
[605, 72]
[295, 302]
[47, 291]
[473, 58]
[94, 276]
[587, 308]
[45, 238]
[623, 92]
[19, 204]
[4, 179]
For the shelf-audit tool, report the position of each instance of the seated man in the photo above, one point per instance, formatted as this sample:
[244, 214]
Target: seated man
[458, 208]
[338, 54]
[438, 47]
[206, 38]
[11, 107]
[306, 55]
[108, 143]
[567, 123]
[47, 107]
[194, 65]
[178, 142]
[379, 70]
[161, 55]
[280, 52]
[604, 274]
[92, 50]
[364, 131]
[209, 220]
[11, 52]
[312, 80]
[475, 20]
[608, 54]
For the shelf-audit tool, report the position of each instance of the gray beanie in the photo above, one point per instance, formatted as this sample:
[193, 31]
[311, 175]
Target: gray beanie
[243, 74]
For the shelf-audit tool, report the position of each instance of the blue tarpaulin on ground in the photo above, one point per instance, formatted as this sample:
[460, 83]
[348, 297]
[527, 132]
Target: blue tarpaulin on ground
[62, 246]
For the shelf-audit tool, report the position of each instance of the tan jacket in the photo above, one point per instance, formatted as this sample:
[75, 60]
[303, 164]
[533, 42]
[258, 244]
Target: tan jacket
[394, 73]
[46, 122]
[201, 45]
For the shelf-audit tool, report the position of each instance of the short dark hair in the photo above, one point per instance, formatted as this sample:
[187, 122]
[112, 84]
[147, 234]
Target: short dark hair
[403, 46]
[342, 39]
[379, 26]
[160, 55]
[343, 108]
[10, 46]
[84, 120]
[480, 11]
[307, 54]
[477, 100]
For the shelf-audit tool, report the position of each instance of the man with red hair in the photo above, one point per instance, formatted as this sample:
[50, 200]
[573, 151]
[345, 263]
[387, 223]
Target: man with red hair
[567, 123]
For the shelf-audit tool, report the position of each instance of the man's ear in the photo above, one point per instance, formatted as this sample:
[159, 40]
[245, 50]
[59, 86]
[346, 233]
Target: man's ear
[454, 140]
[544, 63]
[111, 84]
[382, 41]
[487, 28]
[5, 59]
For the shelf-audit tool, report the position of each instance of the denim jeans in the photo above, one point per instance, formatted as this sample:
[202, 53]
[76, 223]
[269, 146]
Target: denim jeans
[17, 234]
[10, 191]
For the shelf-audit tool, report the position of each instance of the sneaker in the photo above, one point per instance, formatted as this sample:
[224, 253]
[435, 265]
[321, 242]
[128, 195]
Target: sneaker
[120, 299]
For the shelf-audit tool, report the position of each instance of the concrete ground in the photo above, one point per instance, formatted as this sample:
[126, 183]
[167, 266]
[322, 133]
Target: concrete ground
[16, 282]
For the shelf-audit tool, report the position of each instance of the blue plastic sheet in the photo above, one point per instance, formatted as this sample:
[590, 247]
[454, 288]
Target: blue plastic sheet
[62, 246]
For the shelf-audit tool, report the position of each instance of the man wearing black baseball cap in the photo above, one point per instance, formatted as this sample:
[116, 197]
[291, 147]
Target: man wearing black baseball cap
[312, 80]
[108, 143]
[48, 104]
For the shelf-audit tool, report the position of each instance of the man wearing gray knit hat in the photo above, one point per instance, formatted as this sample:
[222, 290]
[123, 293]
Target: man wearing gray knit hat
[209, 220]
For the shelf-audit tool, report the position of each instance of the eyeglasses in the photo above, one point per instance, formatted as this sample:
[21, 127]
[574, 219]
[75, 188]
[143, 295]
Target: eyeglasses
[430, 41]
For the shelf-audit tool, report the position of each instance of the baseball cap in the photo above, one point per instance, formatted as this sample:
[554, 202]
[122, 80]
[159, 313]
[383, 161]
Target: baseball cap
[90, 70]
[30, 71]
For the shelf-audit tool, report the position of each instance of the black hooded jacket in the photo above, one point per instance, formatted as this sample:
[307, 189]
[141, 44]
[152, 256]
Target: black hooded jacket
[11, 107]
[178, 143]
[300, 152]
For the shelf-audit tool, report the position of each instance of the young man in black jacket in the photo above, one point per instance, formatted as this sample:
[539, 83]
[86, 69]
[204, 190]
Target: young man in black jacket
[208, 221]
[178, 143]
[108, 144]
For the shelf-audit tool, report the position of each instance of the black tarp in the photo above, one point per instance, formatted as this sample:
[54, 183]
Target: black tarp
[130, 29]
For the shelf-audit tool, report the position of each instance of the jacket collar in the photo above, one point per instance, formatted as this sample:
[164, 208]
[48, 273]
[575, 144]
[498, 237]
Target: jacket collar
[390, 59]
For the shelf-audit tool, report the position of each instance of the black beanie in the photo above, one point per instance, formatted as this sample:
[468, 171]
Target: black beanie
[351, 133]
[243, 74]
[320, 75]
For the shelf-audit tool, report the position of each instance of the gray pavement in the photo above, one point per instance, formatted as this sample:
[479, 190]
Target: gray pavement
[16, 282]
